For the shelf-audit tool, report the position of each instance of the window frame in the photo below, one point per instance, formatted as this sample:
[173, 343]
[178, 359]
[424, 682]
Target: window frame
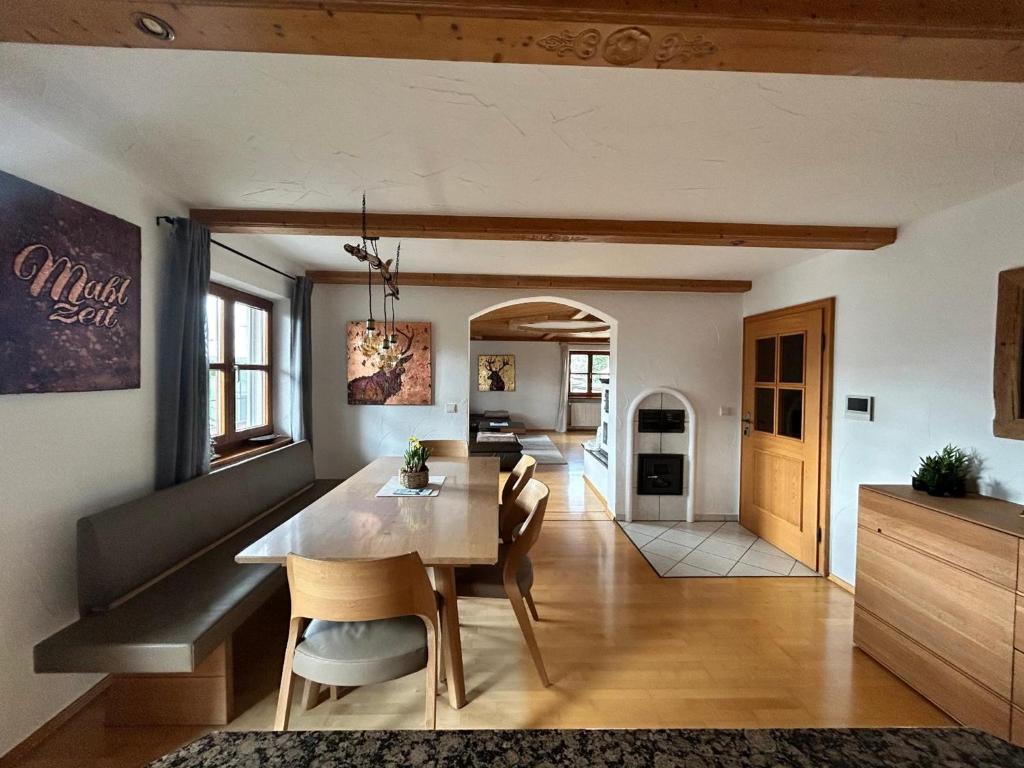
[1008, 368]
[232, 439]
[590, 394]
[777, 386]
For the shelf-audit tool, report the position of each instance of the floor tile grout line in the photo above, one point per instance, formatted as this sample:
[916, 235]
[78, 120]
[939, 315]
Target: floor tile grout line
[640, 550]
[709, 573]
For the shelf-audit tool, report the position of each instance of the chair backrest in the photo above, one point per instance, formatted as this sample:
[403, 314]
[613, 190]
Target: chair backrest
[532, 503]
[360, 590]
[447, 448]
[513, 516]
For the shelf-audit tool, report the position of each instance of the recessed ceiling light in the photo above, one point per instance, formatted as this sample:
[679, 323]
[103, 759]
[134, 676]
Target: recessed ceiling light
[153, 26]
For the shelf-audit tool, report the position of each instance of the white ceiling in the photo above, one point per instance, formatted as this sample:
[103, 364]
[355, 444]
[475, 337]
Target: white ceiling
[517, 258]
[265, 130]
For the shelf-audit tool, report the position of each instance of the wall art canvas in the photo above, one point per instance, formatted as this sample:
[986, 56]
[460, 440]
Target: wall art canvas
[69, 294]
[409, 383]
[496, 373]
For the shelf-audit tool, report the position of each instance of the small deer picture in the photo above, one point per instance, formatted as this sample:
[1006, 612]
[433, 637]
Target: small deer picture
[496, 373]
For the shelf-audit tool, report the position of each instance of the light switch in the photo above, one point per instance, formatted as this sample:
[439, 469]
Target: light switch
[451, 407]
[725, 410]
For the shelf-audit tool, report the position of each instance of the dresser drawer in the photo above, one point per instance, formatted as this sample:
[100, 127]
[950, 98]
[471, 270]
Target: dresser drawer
[1020, 566]
[991, 554]
[963, 619]
[1018, 632]
[1018, 679]
[951, 690]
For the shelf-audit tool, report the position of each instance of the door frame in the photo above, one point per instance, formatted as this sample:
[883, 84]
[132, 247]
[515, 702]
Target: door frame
[828, 309]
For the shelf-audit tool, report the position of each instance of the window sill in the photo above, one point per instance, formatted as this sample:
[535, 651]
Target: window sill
[244, 451]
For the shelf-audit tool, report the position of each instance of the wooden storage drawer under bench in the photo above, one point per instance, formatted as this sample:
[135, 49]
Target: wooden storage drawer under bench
[937, 601]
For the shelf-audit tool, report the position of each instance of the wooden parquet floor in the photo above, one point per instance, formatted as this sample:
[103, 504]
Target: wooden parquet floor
[623, 647]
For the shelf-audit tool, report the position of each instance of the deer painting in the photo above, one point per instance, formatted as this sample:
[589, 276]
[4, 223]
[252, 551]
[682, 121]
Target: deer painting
[408, 383]
[497, 373]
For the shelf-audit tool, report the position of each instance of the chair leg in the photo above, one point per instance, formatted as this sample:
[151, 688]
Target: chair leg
[284, 697]
[432, 674]
[310, 695]
[518, 605]
[532, 606]
[441, 679]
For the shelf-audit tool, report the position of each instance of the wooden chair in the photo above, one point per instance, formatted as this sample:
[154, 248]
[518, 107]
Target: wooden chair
[511, 516]
[358, 622]
[512, 576]
[456, 449]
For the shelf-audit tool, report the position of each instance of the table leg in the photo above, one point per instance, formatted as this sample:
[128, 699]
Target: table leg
[444, 577]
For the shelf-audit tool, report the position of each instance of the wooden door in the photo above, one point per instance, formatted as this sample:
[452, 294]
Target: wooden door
[785, 418]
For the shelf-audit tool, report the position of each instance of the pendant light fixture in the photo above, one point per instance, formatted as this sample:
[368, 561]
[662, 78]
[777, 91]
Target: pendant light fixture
[379, 346]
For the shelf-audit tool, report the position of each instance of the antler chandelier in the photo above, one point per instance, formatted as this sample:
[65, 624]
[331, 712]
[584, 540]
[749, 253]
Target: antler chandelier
[379, 347]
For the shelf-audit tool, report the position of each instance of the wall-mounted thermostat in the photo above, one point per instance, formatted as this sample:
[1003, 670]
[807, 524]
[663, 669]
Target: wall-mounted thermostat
[860, 407]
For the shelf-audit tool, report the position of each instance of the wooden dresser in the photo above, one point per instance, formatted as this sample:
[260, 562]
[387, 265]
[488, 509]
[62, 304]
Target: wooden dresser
[939, 600]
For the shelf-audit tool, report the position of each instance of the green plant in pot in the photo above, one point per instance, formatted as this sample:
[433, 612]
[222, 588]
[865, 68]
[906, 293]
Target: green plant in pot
[414, 473]
[944, 473]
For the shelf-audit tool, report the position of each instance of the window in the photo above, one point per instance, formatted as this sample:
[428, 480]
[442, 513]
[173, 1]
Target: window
[779, 363]
[585, 372]
[241, 382]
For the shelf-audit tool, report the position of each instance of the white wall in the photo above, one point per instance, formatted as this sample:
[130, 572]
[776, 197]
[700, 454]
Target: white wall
[687, 341]
[538, 382]
[915, 327]
[66, 455]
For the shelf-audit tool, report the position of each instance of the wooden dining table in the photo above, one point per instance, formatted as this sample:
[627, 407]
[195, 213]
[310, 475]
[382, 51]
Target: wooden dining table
[459, 526]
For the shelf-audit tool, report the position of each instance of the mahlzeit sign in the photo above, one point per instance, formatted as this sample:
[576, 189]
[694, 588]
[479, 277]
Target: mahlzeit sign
[69, 294]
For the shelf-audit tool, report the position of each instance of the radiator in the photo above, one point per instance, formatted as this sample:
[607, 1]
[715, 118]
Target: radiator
[584, 414]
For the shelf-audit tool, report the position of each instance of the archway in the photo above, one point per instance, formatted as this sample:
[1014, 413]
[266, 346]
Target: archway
[607, 486]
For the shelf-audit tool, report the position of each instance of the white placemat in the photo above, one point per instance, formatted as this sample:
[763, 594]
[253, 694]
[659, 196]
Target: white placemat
[393, 488]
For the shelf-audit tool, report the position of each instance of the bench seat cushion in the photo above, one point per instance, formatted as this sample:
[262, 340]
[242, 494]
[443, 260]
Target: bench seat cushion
[177, 622]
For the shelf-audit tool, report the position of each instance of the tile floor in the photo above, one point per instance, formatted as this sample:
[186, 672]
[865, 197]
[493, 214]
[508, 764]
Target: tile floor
[678, 549]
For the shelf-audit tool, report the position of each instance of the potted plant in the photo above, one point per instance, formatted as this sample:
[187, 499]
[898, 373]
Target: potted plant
[944, 473]
[414, 473]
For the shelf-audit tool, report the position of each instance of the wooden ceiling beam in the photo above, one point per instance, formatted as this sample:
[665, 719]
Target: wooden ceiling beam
[554, 339]
[928, 39]
[401, 225]
[539, 282]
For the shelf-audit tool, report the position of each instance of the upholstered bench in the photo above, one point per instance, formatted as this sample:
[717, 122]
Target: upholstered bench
[160, 593]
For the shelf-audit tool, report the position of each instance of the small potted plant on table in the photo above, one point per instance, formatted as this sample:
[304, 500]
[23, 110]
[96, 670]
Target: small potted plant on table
[944, 473]
[414, 473]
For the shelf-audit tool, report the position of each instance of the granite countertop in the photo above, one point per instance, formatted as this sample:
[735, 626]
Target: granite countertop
[767, 748]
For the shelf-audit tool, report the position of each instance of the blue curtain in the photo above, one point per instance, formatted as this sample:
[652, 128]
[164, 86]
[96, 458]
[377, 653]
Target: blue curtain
[183, 427]
[302, 361]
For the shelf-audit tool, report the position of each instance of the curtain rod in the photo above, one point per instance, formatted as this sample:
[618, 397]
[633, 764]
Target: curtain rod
[171, 220]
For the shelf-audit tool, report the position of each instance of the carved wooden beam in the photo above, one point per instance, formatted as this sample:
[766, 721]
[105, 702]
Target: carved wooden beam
[934, 39]
[540, 282]
[549, 337]
[339, 224]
